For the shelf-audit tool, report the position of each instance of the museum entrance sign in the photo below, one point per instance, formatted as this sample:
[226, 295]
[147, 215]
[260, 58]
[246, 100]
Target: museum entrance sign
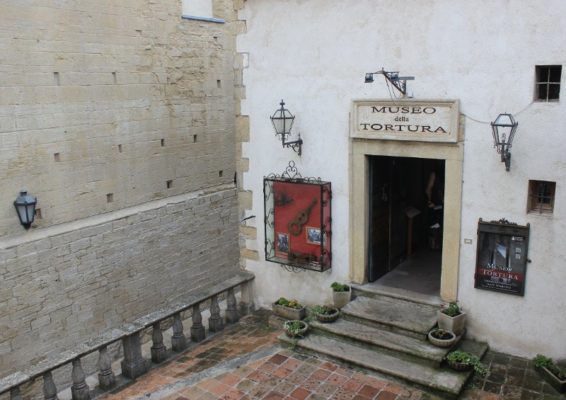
[423, 121]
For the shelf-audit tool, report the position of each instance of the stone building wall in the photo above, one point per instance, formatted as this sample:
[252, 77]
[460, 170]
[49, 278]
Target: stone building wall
[105, 104]
[119, 117]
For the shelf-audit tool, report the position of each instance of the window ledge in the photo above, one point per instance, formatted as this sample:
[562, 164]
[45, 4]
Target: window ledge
[205, 19]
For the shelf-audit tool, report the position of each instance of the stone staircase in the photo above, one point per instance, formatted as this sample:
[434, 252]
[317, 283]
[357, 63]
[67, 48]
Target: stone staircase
[388, 335]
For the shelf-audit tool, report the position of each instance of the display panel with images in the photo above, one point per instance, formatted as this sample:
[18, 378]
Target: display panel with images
[298, 222]
[501, 257]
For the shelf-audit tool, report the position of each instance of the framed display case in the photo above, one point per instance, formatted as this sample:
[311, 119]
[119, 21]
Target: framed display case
[298, 220]
[501, 261]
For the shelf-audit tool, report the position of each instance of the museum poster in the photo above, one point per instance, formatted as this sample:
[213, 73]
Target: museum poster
[502, 257]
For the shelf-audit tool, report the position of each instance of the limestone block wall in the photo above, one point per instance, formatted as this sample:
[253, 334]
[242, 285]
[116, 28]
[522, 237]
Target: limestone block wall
[71, 283]
[110, 104]
[119, 117]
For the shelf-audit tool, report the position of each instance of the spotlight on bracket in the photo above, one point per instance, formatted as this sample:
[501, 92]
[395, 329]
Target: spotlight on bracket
[398, 82]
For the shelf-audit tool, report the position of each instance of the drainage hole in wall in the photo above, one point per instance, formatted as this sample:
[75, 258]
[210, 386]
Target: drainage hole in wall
[119, 148]
[194, 138]
[162, 142]
[169, 184]
[220, 173]
[110, 197]
[57, 79]
[57, 157]
[218, 83]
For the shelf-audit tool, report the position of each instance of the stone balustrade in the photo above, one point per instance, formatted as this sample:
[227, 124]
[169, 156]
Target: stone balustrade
[134, 364]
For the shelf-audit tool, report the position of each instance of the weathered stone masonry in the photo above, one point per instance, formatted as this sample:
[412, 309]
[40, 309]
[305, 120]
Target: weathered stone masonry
[119, 117]
[61, 290]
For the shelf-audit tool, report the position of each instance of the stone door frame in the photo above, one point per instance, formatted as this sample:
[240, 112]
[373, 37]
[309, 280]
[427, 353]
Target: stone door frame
[453, 155]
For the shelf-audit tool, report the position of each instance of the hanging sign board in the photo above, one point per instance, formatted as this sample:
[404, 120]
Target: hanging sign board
[422, 121]
[501, 262]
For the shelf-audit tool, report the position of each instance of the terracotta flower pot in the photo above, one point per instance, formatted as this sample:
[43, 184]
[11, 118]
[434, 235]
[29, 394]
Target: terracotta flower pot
[341, 298]
[333, 316]
[295, 333]
[441, 342]
[289, 312]
[455, 324]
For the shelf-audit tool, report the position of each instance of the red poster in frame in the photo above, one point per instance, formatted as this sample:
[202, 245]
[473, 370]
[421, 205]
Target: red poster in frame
[298, 222]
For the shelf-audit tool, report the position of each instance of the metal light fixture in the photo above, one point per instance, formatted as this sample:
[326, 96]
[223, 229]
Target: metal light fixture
[282, 121]
[398, 82]
[25, 207]
[504, 128]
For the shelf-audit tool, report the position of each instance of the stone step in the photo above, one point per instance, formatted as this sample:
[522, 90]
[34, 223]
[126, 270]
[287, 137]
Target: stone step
[438, 380]
[397, 315]
[376, 290]
[354, 331]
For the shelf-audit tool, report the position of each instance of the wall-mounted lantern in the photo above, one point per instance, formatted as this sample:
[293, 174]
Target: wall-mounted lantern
[25, 207]
[504, 128]
[282, 121]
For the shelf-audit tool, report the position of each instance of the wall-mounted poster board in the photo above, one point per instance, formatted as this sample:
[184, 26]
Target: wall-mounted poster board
[297, 221]
[501, 261]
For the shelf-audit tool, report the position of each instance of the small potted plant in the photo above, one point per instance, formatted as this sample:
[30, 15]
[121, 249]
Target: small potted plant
[289, 309]
[341, 294]
[463, 361]
[452, 318]
[295, 328]
[552, 373]
[326, 313]
[441, 338]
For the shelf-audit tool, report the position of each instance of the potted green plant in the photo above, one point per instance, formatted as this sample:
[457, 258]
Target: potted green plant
[326, 313]
[289, 309]
[341, 294]
[463, 361]
[452, 318]
[551, 372]
[295, 328]
[442, 338]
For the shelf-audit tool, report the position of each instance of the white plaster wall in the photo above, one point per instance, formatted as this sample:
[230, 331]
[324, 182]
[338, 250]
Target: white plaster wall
[314, 55]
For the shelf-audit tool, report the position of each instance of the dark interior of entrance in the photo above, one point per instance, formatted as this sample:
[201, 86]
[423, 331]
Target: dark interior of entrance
[406, 222]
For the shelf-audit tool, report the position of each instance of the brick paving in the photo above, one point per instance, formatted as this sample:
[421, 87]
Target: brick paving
[245, 362]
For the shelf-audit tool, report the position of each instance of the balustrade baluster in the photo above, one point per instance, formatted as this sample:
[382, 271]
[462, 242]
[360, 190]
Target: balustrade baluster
[15, 394]
[232, 315]
[197, 330]
[158, 349]
[49, 388]
[133, 364]
[215, 321]
[79, 390]
[247, 298]
[178, 341]
[106, 377]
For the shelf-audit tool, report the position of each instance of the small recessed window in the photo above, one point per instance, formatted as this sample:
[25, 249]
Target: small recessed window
[548, 82]
[541, 197]
[200, 10]
[197, 8]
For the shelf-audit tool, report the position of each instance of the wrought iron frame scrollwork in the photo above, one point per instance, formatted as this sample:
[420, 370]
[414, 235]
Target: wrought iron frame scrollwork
[292, 175]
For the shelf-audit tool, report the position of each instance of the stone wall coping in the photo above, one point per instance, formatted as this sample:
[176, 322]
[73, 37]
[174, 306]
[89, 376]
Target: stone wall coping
[115, 334]
[39, 234]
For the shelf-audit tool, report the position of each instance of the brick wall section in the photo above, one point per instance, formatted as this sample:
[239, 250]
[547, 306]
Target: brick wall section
[127, 94]
[61, 290]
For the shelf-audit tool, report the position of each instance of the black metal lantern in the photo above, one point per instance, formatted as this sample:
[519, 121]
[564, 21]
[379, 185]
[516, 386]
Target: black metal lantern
[504, 128]
[282, 121]
[25, 207]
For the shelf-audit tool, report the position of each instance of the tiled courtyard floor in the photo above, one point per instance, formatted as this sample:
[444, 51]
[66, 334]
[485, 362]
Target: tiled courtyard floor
[245, 361]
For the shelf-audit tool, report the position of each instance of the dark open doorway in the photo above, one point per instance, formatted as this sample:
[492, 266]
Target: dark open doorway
[406, 222]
